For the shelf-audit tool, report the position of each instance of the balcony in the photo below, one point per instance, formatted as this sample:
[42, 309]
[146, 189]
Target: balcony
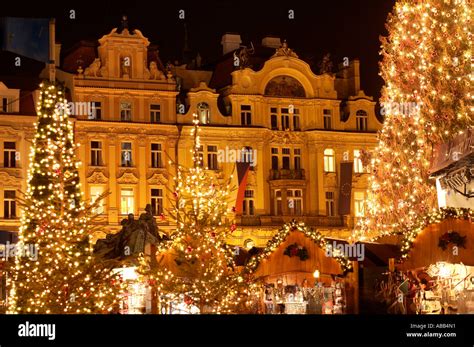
[287, 174]
[316, 221]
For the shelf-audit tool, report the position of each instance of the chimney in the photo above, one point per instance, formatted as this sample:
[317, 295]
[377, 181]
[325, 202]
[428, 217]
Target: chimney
[271, 42]
[230, 42]
[57, 54]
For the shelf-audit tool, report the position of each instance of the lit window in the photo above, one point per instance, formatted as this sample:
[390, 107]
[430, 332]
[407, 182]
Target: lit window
[9, 204]
[329, 160]
[245, 115]
[295, 201]
[96, 191]
[204, 113]
[9, 154]
[125, 111]
[157, 202]
[278, 207]
[155, 113]
[359, 204]
[358, 167]
[361, 120]
[156, 158]
[96, 153]
[127, 201]
[126, 154]
[330, 212]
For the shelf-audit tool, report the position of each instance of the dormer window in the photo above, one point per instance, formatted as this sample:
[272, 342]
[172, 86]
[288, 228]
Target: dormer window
[361, 120]
[204, 113]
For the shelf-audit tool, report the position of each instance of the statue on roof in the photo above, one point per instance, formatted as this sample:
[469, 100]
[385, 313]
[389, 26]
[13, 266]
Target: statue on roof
[325, 67]
[243, 55]
[284, 51]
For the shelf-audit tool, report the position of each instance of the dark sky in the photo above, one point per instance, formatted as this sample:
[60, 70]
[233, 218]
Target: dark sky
[345, 28]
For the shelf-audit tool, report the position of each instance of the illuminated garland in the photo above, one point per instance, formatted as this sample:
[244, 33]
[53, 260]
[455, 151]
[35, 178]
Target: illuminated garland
[281, 236]
[433, 218]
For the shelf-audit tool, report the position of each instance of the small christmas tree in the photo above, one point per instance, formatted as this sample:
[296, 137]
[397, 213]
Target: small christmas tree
[62, 276]
[427, 99]
[196, 263]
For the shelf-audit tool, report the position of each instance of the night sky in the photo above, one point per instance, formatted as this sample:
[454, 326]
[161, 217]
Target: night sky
[345, 28]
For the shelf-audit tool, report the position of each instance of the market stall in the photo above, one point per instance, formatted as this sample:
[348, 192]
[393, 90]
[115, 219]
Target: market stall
[437, 264]
[299, 276]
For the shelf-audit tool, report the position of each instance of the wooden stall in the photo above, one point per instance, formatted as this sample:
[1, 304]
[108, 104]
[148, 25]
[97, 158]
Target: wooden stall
[426, 250]
[295, 261]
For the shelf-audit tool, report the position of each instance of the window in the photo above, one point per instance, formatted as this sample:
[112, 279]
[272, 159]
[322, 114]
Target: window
[359, 204]
[285, 119]
[126, 201]
[125, 111]
[274, 118]
[9, 204]
[358, 167]
[126, 154]
[96, 191]
[361, 120]
[9, 154]
[248, 203]
[157, 202]
[156, 159]
[297, 158]
[204, 113]
[6, 105]
[286, 159]
[296, 119]
[155, 113]
[278, 207]
[247, 155]
[295, 201]
[329, 160]
[212, 157]
[274, 158]
[245, 115]
[96, 110]
[330, 204]
[96, 153]
[327, 116]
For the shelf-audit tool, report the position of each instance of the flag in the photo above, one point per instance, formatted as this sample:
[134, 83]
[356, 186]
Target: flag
[242, 174]
[345, 188]
[28, 37]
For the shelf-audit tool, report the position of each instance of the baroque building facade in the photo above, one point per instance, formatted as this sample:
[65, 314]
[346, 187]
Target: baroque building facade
[300, 124]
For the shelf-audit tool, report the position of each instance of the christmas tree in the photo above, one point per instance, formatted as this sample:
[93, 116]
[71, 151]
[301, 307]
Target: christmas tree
[427, 99]
[62, 276]
[196, 263]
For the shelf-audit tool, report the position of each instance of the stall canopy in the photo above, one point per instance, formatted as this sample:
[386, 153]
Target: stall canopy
[294, 253]
[449, 240]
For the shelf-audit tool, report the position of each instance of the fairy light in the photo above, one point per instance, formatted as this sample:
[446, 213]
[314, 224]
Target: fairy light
[427, 62]
[56, 221]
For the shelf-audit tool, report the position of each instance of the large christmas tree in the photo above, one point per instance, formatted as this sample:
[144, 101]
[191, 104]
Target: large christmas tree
[62, 276]
[197, 264]
[427, 98]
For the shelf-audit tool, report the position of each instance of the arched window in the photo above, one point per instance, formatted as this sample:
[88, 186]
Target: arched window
[329, 160]
[361, 120]
[204, 113]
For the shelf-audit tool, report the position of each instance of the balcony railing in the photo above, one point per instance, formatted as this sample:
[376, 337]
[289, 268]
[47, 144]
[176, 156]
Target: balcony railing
[322, 221]
[287, 174]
